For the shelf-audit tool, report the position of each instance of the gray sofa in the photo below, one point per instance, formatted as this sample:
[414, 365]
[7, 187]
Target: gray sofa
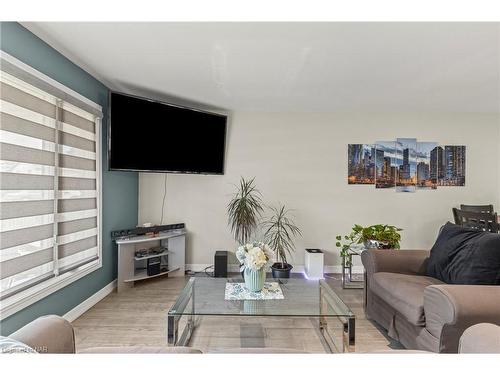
[419, 311]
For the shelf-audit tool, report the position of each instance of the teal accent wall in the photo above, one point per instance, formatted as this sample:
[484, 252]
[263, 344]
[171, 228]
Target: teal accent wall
[119, 189]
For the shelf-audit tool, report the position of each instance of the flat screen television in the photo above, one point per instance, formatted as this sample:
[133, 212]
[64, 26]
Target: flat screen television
[152, 136]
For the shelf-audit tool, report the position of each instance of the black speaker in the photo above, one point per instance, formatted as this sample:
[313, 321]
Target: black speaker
[220, 264]
[153, 266]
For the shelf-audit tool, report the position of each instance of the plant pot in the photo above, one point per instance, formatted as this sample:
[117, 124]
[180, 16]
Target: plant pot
[375, 244]
[281, 270]
[254, 279]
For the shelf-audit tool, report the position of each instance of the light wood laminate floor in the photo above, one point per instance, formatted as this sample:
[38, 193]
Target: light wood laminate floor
[138, 317]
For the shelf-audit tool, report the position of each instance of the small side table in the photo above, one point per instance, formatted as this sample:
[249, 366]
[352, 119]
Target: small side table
[347, 281]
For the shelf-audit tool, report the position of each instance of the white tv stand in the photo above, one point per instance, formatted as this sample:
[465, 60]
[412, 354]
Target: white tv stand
[173, 240]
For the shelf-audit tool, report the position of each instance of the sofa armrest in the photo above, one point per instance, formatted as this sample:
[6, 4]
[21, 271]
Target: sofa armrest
[47, 334]
[451, 309]
[411, 262]
[480, 338]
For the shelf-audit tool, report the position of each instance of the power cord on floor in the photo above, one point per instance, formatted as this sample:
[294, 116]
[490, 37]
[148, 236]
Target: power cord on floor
[210, 274]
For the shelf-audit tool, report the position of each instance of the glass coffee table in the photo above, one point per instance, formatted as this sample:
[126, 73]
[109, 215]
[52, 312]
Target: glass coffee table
[205, 296]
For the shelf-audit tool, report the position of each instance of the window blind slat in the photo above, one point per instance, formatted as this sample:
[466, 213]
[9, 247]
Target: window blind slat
[24, 236]
[25, 154]
[20, 126]
[77, 246]
[67, 205]
[24, 263]
[16, 139]
[10, 181]
[25, 195]
[26, 100]
[7, 225]
[74, 162]
[78, 259]
[76, 236]
[77, 152]
[11, 210]
[29, 115]
[78, 121]
[9, 166]
[24, 249]
[26, 141]
[75, 215]
[78, 173]
[67, 227]
[71, 183]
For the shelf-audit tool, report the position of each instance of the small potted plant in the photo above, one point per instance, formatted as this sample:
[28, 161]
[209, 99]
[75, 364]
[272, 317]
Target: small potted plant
[378, 236]
[280, 232]
[254, 258]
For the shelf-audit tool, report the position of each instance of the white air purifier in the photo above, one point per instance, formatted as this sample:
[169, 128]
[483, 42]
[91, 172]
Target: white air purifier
[314, 264]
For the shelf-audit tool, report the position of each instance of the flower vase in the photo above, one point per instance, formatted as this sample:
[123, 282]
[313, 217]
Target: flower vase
[254, 279]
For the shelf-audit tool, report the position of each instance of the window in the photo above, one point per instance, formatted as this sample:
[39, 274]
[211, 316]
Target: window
[49, 185]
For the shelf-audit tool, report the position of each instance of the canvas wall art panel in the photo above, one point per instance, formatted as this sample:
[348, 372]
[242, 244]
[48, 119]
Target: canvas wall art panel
[427, 166]
[452, 166]
[406, 159]
[361, 164]
[386, 167]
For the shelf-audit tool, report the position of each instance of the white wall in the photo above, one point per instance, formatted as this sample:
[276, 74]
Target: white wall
[301, 161]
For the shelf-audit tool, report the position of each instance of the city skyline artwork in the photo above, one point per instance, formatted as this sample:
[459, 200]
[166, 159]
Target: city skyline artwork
[406, 165]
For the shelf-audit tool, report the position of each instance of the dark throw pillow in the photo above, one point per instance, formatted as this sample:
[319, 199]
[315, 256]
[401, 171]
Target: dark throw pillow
[465, 256]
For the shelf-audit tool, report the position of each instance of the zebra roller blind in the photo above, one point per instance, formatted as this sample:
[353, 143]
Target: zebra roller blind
[49, 185]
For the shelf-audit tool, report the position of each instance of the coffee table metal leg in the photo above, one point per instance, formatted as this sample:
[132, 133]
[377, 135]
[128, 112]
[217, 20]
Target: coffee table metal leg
[343, 273]
[323, 325]
[349, 335]
[172, 329]
[175, 314]
[350, 268]
[322, 305]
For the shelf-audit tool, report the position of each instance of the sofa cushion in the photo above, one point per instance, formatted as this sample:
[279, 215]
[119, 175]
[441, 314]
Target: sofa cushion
[465, 256]
[405, 293]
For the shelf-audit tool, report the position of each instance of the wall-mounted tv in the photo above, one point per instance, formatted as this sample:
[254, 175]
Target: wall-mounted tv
[152, 136]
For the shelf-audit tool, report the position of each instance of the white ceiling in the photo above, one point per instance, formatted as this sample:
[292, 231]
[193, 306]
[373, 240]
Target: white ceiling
[320, 67]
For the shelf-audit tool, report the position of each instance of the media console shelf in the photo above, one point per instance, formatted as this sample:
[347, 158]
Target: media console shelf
[128, 272]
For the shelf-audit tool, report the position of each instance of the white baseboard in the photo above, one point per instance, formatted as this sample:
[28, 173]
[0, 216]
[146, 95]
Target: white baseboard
[78, 310]
[296, 269]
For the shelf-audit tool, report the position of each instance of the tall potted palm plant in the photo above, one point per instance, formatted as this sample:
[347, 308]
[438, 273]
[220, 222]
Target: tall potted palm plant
[280, 232]
[244, 211]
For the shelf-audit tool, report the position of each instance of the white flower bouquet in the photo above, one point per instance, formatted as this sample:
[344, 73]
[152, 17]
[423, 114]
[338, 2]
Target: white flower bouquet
[254, 256]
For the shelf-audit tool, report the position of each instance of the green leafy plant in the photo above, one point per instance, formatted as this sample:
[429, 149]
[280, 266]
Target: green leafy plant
[280, 232]
[344, 244]
[244, 211]
[387, 235]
